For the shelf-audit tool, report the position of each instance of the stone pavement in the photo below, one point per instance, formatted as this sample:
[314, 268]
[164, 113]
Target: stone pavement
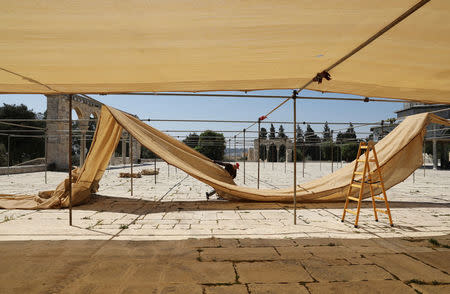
[400, 265]
[176, 208]
[168, 239]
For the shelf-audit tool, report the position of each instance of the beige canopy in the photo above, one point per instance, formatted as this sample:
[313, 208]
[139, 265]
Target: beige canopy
[107, 46]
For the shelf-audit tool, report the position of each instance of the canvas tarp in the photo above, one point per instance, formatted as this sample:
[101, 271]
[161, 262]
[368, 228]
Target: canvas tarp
[399, 154]
[104, 46]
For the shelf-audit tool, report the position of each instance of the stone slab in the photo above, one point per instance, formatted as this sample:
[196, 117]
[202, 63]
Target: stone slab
[277, 288]
[342, 273]
[372, 287]
[431, 289]
[226, 289]
[438, 259]
[239, 254]
[407, 268]
[272, 272]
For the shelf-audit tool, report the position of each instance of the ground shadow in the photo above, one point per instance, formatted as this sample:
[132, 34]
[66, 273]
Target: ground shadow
[142, 206]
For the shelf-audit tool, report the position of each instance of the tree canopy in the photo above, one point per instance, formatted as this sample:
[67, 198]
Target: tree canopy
[281, 133]
[272, 132]
[191, 140]
[263, 133]
[211, 144]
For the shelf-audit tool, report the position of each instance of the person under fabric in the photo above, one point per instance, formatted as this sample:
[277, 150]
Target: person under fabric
[230, 168]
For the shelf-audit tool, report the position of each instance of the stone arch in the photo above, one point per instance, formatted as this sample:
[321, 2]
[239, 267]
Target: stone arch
[272, 154]
[282, 153]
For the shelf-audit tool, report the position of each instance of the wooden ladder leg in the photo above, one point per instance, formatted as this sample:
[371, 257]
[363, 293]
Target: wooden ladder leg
[361, 191]
[383, 189]
[372, 194]
[349, 193]
[346, 203]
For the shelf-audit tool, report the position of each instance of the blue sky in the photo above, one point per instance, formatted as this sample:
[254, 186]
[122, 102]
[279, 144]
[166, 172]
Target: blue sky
[169, 107]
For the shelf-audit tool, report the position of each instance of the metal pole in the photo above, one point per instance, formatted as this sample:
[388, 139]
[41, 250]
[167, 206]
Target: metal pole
[70, 159]
[332, 168]
[294, 96]
[320, 156]
[235, 156]
[244, 156]
[423, 157]
[303, 157]
[45, 154]
[259, 146]
[131, 163]
[229, 150]
[168, 170]
[285, 154]
[155, 168]
[9, 150]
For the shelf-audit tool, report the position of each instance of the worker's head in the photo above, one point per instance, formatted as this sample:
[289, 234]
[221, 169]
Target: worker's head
[236, 166]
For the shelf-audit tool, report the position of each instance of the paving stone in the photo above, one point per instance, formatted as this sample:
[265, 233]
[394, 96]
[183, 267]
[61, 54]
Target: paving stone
[226, 289]
[272, 272]
[294, 252]
[381, 287]
[239, 254]
[266, 242]
[344, 273]
[431, 289]
[192, 272]
[438, 259]
[407, 268]
[277, 288]
[164, 289]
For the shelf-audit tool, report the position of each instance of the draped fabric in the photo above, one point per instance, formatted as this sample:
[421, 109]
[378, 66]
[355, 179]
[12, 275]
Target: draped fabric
[110, 46]
[399, 154]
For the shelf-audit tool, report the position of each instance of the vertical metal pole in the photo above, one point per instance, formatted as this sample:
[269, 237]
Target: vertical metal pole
[70, 159]
[259, 146]
[320, 156]
[229, 150]
[131, 163]
[155, 168]
[332, 168]
[423, 157]
[285, 154]
[303, 157]
[244, 156]
[294, 96]
[45, 154]
[414, 177]
[235, 156]
[168, 170]
[9, 150]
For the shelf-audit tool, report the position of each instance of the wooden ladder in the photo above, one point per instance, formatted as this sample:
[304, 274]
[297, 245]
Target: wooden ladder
[368, 178]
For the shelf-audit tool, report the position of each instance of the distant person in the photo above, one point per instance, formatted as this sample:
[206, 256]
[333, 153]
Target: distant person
[230, 168]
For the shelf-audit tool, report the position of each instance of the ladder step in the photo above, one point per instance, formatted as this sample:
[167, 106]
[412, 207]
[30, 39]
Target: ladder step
[378, 198]
[356, 186]
[358, 173]
[351, 211]
[353, 198]
[381, 210]
[364, 146]
[363, 160]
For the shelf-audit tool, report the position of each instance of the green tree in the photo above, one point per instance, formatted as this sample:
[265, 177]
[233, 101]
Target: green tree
[348, 136]
[191, 140]
[272, 132]
[281, 133]
[311, 141]
[263, 133]
[22, 148]
[349, 151]
[211, 144]
[300, 135]
[326, 133]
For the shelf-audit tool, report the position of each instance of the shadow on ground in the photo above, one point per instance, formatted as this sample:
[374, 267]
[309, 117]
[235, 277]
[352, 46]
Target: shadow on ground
[130, 205]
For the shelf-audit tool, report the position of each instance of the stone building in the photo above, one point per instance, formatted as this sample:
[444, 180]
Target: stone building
[280, 147]
[87, 109]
